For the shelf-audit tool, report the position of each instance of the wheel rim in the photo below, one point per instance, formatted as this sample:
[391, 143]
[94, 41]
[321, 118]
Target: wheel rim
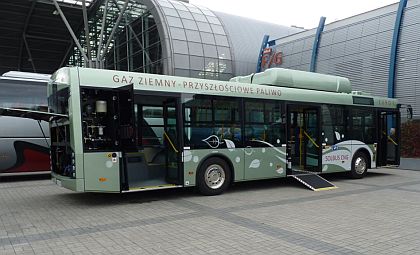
[360, 165]
[215, 176]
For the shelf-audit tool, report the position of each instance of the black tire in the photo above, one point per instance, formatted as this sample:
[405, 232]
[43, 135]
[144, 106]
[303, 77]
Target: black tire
[359, 165]
[213, 177]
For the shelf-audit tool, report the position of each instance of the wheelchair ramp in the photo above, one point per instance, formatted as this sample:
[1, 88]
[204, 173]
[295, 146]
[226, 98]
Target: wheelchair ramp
[313, 181]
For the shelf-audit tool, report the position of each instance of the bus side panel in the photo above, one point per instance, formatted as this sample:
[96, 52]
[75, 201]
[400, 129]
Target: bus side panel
[357, 145]
[23, 147]
[102, 172]
[24, 155]
[193, 158]
[337, 158]
[266, 162]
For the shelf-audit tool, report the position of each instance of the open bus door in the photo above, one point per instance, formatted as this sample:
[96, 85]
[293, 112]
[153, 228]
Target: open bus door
[126, 134]
[304, 147]
[125, 127]
[389, 138]
[173, 140]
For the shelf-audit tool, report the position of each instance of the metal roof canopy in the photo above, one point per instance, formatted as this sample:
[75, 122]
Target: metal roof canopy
[33, 36]
[105, 24]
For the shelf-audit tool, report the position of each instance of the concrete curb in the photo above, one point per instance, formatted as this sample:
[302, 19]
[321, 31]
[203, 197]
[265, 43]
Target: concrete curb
[410, 163]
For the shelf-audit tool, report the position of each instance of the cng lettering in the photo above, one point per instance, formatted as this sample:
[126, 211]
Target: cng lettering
[336, 158]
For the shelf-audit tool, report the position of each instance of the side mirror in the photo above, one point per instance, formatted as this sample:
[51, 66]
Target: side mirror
[409, 112]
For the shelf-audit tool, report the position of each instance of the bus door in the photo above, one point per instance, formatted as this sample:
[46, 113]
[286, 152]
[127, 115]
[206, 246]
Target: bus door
[389, 138]
[126, 134]
[304, 148]
[172, 140]
[125, 127]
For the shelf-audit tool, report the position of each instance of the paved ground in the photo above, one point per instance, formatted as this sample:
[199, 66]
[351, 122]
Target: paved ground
[379, 214]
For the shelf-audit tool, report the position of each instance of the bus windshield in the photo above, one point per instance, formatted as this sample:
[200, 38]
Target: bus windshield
[58, 100]
[23, 95]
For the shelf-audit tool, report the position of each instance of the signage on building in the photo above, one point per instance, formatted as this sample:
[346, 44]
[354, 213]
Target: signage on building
[271, 57]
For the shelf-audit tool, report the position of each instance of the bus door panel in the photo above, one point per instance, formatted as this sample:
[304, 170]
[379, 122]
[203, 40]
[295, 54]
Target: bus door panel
[125, 131]
[172, 140]
[126, 134]
[304, 148]
[311, 140]
[389, 138]
[291, 139]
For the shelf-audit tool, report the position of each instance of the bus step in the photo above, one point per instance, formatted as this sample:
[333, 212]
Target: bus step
[314, 181]
[155, 187]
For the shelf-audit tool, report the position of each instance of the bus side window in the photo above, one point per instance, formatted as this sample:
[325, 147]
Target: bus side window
[333, 124]
[150, 125]
[264, 123]
[363, 128]
[210, 120]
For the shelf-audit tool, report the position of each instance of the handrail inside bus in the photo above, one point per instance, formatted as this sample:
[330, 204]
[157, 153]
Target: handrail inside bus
[170, 142]
[311, 139]
[390, 139]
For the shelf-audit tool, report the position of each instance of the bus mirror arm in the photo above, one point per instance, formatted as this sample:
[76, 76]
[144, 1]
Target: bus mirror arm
[43, 133]
[30, 114]
[57, 117]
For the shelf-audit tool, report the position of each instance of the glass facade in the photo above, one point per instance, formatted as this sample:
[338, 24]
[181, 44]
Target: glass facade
[137, 47]
[166, 37]
[199, 41]
[133, 11]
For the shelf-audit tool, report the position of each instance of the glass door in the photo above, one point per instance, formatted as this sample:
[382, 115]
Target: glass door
[303, 145]
[389, 138]
[311, 140]
[172, 140]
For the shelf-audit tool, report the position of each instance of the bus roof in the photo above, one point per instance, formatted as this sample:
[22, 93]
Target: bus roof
[162, 83]
[283, 77]
[26, 76]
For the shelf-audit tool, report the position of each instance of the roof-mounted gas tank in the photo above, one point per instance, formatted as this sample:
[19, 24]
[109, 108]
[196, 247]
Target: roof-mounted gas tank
[298, 79]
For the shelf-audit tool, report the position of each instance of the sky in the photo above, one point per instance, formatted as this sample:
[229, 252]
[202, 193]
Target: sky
[301, 13]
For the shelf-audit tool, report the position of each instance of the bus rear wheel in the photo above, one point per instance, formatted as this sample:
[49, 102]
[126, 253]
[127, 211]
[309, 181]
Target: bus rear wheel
[359, 165]
[213, 177]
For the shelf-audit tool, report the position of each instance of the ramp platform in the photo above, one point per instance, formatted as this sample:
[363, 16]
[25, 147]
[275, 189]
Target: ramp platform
[312, 180]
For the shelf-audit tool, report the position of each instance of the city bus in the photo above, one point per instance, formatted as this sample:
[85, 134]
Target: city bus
[116, 131]
[24, 143]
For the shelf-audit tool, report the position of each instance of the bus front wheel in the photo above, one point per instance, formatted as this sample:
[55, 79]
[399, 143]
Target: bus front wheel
[213, 177]
[359, 165]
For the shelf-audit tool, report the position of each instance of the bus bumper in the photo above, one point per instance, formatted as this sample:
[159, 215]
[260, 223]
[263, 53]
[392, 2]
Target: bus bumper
[68, 183]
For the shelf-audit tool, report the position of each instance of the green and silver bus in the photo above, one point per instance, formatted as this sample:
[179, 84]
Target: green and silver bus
[115, 131]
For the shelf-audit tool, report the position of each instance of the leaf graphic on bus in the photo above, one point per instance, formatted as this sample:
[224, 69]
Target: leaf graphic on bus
[255, 163]
[213, 141]
[230, 145]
